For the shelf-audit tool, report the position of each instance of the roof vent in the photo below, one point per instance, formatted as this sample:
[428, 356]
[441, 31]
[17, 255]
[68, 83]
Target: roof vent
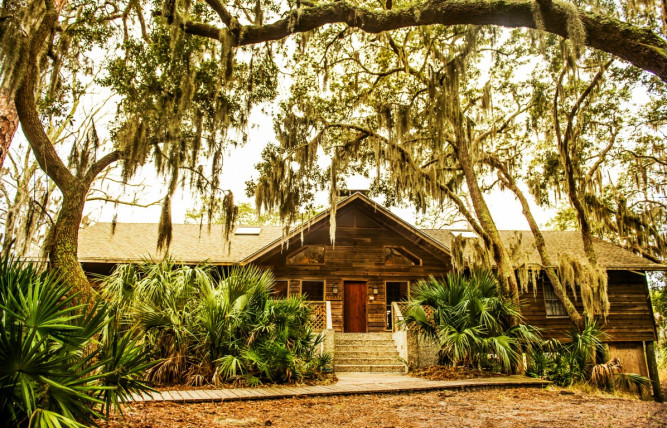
[247, 230]
[465, 233]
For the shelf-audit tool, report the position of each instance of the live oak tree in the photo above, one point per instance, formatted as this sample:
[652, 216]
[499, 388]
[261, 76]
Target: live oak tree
[389, 101]
[180, 98]
[587, 125]
[395, 107]
[628, 32]
[44, 65]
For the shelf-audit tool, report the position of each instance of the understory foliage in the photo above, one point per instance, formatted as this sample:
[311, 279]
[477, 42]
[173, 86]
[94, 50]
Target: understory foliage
[574, 361]
[471, 321]
[61, 363]
[209, 328]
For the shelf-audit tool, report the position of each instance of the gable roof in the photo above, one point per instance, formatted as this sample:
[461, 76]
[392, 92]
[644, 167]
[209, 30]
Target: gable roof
[192, 244]
[400, 224]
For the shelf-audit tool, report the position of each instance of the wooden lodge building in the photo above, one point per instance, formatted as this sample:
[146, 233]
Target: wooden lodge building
[376, 258]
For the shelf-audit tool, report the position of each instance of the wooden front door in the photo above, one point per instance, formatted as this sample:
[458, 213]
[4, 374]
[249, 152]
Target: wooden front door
[354, 307]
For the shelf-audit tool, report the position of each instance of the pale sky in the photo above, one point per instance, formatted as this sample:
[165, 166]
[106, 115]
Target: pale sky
[239, 167]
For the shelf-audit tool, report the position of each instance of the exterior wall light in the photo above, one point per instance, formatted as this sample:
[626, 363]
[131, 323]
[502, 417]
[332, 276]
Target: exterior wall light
[334, 290]
[375, 289]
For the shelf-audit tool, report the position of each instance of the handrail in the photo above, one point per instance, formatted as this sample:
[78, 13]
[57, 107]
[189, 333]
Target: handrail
[329, 319]
[396, 317]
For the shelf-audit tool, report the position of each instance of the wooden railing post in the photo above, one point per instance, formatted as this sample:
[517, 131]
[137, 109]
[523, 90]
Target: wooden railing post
[329, 319]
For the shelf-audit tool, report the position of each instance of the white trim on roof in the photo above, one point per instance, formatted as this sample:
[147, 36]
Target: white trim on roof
[247, 230]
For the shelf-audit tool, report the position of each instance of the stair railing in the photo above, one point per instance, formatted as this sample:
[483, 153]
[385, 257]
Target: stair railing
[396, 317]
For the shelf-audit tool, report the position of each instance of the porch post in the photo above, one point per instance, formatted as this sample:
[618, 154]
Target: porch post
[653, 371]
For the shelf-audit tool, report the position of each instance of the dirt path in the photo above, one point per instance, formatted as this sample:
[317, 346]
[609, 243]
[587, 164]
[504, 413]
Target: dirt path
[517, 407]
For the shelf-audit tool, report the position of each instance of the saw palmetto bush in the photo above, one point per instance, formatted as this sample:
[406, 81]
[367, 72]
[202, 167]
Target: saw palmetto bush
[61, 363]
[471, 321]
[574, 361]
[206, 327]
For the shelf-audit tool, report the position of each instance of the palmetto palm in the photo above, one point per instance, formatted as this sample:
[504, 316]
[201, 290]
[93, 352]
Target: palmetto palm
[211, 328]
[471, 321]
[54, 369]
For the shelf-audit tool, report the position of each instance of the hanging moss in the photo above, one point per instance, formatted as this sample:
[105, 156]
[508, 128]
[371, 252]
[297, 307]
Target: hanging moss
[165, 226]
[333, 199]
[458, 249]
[230, 213]
[587, 280]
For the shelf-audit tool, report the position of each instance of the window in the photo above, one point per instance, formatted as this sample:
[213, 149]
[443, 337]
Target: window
[396, 292]
[307, 255]
[280, 289]
[313, 290]
[399, 256]
[553, 306]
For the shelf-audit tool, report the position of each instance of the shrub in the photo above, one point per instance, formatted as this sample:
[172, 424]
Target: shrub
[471, 321]
[206, 329]
[56, 366]
[575, 362]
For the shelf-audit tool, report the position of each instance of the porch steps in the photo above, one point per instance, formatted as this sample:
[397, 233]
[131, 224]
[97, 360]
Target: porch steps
[366, 352]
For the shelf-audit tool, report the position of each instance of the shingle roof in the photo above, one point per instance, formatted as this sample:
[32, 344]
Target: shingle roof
[609, 255]
[133, 242]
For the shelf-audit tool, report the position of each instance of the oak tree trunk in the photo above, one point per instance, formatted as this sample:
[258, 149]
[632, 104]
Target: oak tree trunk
[9, 122]
[559, 290]
[64, 238]
[503, 262]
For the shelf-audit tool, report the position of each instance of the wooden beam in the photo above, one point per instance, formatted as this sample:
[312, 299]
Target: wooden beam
[653, 371]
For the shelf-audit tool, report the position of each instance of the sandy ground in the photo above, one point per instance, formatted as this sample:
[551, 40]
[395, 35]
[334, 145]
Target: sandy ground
[517, 407]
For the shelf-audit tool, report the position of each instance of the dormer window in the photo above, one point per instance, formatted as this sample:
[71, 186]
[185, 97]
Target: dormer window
[399, 256]
[310, 255]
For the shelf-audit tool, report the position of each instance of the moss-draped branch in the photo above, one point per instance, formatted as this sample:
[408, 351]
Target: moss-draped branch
[639, 46]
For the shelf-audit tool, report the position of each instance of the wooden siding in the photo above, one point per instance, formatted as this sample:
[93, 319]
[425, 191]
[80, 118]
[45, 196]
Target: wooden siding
[630, 316]
[358, 255]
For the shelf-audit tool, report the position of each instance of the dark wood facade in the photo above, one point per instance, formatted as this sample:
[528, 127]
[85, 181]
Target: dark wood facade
[366, 261]
[630, 317]
[358, 257]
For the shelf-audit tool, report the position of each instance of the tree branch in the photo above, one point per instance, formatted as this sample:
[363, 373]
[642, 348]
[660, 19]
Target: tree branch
[601, 157]
[119, 202]
[653, 158]
[99, 166]
[26, 107]
[639, 46]
[223, 13]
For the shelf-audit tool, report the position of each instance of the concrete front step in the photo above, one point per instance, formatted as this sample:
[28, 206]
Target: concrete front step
[384, 360]
[386, 336]
[363, 342]
[365, 353]
[371, 368]
[376, 349]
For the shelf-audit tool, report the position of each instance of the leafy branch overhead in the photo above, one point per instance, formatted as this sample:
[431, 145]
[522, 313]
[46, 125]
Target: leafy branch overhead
[637, 45]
